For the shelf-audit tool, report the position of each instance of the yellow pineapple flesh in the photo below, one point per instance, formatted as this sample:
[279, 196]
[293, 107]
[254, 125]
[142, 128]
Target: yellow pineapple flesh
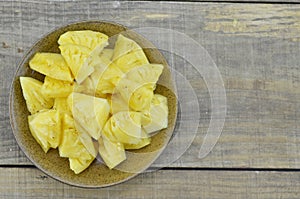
[45, 126]
[32, 92]
[56, 88]
[52, 65]
[78, 59]
[90, 112]
[112, 153]
[128, 54]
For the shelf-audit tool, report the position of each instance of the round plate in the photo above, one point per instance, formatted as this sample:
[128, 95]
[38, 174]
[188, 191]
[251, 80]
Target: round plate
[97, 174]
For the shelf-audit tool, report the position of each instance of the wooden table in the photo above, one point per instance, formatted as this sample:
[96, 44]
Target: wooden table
[256, 47]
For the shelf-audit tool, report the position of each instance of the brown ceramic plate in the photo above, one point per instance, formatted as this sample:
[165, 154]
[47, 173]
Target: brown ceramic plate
[97, 175]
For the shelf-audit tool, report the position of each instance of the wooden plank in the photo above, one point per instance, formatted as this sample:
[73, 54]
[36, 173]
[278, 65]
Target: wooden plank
[256, 48]
[31, 183]
[250, 1]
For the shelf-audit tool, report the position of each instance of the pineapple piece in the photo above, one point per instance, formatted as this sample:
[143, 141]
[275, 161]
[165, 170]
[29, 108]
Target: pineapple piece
[78, 165]
[45, 127]
[112, 153]
[124, 127]
[90, 112]
[93, 40]
[128, 54]
[61, 105]
[141, 98]
[35, 100]
[145, 74]
[158, 114]
[142, 143]
[124, 46]
[138, 97]
[86, 139]
[71, 145]
[56, 88]
[52, 65]
[79, 60]
[131, 60]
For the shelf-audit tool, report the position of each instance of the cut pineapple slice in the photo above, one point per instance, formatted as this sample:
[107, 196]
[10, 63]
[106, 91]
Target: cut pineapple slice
[112, 153]
[45, 127]
[56, 88]
[141, 98]
[78, 165]
[52, 65]
[145, 74]
[35, 100]
[124, 46]
[128, 54]
[142, 143]
[158, 114]
[71, 145]
[124, 127]
[86, 139]
[79, 60]
[131, 60]
[138, 97]
[95, 41]
[90, 112]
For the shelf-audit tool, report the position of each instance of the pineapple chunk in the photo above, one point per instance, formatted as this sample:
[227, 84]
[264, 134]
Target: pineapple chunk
[112, 153]
[90, 112]
[56, 88]
[138, 97]
[131, 60]
[145, 74]
[79, 164]
[52, 65]
[95, 41]
[45, 127]
[35, 100]
[158, 114]
[141, 98]
[78, 59]
[128, 54]
[142, 143]
[71, 145]
[124, 46]
[124, 127]
[86, 139]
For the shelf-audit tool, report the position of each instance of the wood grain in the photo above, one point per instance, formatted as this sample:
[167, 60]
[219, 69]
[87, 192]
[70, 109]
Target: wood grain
[256, 48]
[30, 183]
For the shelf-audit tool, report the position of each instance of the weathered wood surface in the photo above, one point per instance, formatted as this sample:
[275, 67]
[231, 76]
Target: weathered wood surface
[256, 48]
[30, 183]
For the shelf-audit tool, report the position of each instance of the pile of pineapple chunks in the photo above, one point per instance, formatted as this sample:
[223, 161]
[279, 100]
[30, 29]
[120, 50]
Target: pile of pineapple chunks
[94, 99]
